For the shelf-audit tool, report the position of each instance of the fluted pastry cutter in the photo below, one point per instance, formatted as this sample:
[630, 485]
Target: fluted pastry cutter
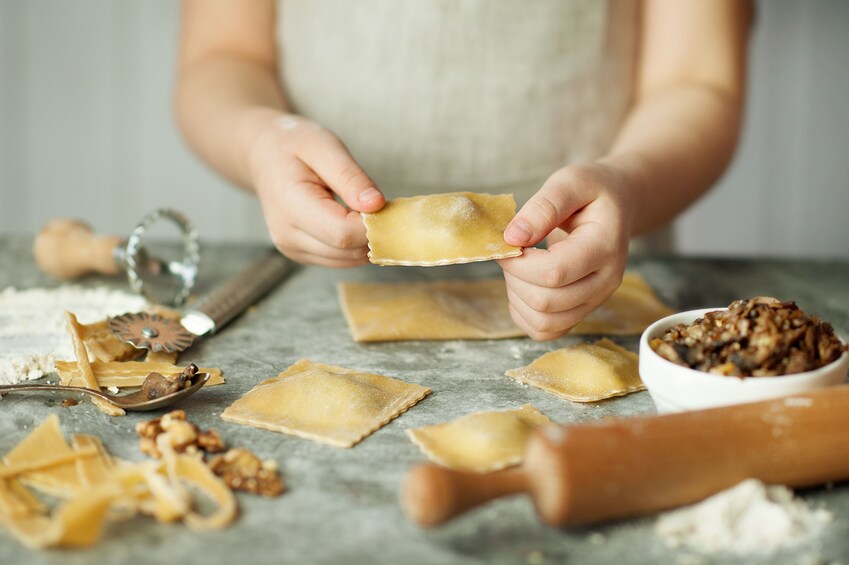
[68, 249]
[209, 314]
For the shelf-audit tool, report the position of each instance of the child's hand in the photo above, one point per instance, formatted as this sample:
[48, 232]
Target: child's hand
[297, 167]
[586, 211]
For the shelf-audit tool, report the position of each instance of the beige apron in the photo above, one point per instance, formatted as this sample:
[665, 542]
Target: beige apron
[445, 95]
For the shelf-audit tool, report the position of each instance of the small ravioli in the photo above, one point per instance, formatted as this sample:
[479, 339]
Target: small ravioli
[586, 372]
[436, 310]
[324, 403]
[441, 229]
[630, 310]
[482, 441]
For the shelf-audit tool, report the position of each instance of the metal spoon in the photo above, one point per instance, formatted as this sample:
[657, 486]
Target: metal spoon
[145, 399]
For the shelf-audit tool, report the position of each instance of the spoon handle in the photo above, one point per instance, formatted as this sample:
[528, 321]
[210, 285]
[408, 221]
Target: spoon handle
[52, 388]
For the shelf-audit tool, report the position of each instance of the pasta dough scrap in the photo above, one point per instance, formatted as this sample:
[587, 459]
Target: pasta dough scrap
[324, 403]
[630, 310]
[441, 229]
[44, 443]
[586, 372]
[427, 310]
[85, 367]
[126, 374]
[103, 345]
[161, 357]
[104, 491]
[92, 471]
[482, 441]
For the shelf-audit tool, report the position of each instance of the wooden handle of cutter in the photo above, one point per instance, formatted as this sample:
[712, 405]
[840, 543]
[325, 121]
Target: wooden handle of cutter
[590, 473]
[68, 249]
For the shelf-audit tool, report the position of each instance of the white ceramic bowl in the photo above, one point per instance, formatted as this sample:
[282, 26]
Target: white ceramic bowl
[675, 388]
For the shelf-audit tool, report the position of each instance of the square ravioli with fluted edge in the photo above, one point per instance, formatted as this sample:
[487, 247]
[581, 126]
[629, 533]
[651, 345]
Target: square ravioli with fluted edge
[324, 403]
[586, 372]
[481, 441]
[441, 229]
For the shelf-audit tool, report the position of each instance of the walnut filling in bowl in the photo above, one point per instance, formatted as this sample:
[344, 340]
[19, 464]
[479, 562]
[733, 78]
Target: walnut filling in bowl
[760, 337]
[753, 350]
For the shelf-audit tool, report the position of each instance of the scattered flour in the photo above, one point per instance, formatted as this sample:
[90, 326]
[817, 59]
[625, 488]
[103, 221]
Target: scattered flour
[748, 518]
[32, 325]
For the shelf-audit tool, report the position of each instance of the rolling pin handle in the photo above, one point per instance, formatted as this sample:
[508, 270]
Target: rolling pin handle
[432, 495]
[69, 249]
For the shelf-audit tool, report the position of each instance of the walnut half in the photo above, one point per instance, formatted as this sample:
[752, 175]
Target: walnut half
[242, 470]
[172, 431]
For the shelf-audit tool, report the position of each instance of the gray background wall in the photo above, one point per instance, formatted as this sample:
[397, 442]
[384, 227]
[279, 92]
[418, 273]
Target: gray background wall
[86, 130]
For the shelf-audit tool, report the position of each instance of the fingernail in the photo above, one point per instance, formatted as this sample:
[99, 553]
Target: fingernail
[518, 231]
[369, 195]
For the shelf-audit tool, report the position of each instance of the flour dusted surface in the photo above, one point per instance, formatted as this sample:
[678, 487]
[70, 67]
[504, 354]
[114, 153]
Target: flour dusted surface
[748, 518]
[32, 325]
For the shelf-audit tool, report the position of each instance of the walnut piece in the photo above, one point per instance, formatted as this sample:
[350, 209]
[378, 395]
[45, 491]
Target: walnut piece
[173, 432]
[759, 337]
[242, 470]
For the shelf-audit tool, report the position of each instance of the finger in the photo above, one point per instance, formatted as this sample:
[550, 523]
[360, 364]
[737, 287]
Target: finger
[319, 215]
[295, 243]
[547, 325]
[563, 263]
[549, 300]
[306, 243]
[561, 195]
[525, 327]
[331, 161]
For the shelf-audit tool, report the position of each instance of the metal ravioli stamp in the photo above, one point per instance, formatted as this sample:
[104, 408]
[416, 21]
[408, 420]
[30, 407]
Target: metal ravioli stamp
[151, 331]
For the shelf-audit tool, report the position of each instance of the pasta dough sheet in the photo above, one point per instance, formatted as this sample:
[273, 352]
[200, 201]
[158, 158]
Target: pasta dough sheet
[443, 310]
[427, 311]
[324, 403]
[441, 229]
[586, 372]
[482, 441]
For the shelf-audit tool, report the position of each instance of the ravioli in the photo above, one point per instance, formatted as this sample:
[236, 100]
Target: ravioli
[586, 372]
[482, 441]
[324, 403]
[441, 229]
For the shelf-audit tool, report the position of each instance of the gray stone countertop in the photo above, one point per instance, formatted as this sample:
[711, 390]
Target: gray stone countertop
[342, 504]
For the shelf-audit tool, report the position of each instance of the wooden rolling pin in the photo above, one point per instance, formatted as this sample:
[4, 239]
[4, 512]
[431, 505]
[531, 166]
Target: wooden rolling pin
[612, 469]
[69, 249]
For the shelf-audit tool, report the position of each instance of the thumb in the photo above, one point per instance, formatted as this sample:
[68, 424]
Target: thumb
[550, 207]
[333, 163]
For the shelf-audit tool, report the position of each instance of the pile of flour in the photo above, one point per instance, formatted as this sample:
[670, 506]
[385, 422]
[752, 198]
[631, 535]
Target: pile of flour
[32, 325]
[748, 518]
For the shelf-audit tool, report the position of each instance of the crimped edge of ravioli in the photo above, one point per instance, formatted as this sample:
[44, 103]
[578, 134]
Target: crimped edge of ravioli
[456, 261]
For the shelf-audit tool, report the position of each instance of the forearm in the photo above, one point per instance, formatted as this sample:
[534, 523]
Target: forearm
[221, 101]
[673, 146]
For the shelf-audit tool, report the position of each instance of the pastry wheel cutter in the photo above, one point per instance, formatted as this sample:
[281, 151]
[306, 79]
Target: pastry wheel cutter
[208, 314]
[68, 249]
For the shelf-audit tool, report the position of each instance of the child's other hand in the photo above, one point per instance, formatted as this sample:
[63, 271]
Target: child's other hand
[584, 209]
[296, 168]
